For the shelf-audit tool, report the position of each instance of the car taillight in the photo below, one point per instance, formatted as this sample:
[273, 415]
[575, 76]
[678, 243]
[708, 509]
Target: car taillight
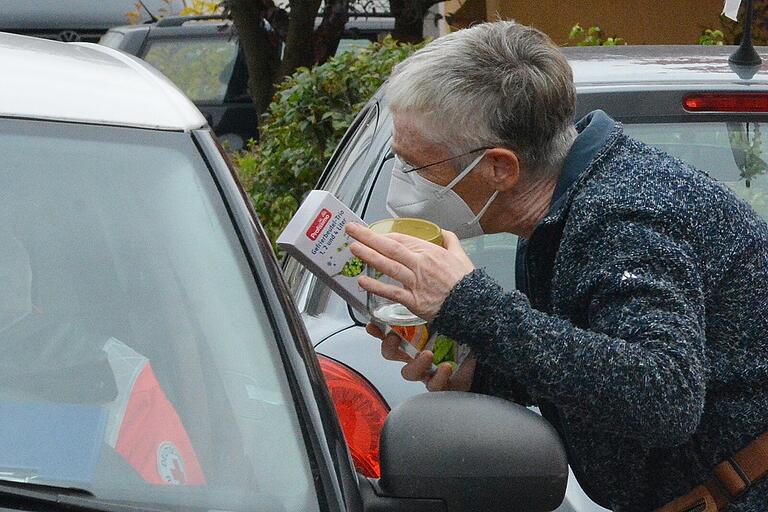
[361, 411]
[726, 102]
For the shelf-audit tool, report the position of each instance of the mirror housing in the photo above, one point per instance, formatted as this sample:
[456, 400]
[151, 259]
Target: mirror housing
[472, 452]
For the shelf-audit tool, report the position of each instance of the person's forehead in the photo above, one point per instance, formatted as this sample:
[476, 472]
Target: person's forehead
[408, 136]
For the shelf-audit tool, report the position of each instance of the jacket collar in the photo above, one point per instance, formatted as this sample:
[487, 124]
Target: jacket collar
[597, 132]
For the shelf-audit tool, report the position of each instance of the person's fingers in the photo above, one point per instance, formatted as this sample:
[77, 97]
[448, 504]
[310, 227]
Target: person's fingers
[451, 241]
[461, 380]
[453, 245]
[374, 330]
[440, 379]
[385, 246]
[390, 349]
[388, 291]
[418, 369]
[411, 242]
[390, 267]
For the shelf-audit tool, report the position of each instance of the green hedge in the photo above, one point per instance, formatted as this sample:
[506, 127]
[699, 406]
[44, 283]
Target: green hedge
[310, 112]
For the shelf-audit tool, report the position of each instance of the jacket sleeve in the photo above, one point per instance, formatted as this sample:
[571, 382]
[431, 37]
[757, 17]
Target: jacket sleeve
[489, 379]
[636, 367]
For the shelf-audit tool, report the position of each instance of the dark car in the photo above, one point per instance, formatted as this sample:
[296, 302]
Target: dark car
[202, 56]
[686, 100]
[152, 356]
[76, 20]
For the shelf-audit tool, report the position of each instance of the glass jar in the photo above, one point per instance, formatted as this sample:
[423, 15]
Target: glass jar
[384, 310]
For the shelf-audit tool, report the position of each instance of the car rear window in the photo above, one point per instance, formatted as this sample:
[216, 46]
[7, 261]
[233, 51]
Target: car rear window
[732, 152]
[201, 67]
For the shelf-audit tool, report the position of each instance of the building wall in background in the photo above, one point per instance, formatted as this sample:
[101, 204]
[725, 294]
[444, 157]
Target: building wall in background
[637, 21]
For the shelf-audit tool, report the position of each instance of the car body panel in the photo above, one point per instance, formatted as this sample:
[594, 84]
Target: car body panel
[671, 65]
[93, 84]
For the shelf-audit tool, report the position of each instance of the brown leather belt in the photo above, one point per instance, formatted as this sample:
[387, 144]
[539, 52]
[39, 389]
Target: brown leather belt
[732, 478]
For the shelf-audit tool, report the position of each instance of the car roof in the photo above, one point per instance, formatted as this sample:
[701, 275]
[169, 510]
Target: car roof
[88, 83]
[665, 66]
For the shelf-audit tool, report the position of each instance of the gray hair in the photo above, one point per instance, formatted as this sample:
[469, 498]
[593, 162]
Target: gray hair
[495, 84]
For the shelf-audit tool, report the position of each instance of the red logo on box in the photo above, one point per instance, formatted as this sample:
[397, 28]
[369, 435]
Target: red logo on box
[318, 224]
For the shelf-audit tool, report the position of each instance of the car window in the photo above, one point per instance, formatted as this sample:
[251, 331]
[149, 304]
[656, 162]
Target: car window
[352, 45]
[377, 204]
[347, 181]
[732, 152]
[137, 357]
[201, 67]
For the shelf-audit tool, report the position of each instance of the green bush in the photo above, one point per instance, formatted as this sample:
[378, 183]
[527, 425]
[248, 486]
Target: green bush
[309, 113]
[712, 37]
[593, 36]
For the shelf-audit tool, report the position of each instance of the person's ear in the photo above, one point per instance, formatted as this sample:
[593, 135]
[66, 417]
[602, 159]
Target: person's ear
[504, 168]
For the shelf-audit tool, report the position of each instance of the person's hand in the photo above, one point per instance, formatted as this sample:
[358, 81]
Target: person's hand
[417, 369]
[427, 271]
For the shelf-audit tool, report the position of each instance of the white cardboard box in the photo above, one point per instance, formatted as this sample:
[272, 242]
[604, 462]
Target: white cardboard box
[315, 236]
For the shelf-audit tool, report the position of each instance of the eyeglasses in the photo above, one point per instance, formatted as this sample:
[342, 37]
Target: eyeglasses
[410, 168]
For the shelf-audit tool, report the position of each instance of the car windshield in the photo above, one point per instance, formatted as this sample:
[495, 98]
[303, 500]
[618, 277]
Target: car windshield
[731, 152]
[137, 358]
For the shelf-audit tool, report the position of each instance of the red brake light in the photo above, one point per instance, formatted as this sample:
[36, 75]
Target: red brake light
[726, 102]
[361, 411]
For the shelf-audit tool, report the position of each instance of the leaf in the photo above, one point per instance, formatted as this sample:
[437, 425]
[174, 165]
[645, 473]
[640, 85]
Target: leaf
[576, 32]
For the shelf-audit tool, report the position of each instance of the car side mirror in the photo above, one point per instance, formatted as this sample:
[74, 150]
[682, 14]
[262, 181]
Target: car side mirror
[471, 452]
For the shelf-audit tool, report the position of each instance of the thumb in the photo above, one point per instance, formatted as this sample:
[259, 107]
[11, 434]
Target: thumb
[451, 242]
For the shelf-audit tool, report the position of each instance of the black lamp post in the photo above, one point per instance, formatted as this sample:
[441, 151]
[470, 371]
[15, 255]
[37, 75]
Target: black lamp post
[746, 55]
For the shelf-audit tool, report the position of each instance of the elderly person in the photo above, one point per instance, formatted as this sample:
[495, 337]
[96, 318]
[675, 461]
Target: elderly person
[639, 324]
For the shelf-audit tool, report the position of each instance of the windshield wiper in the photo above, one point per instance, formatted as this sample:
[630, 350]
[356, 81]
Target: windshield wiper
[22, 494]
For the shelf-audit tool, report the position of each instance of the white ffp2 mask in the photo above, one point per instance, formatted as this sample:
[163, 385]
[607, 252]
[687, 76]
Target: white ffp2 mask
[411, 195]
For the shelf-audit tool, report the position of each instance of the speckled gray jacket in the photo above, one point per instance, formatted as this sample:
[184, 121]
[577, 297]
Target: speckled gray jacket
[644, 333]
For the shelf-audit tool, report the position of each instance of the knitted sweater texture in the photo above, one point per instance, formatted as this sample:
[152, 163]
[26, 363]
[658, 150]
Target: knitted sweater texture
[643, 335]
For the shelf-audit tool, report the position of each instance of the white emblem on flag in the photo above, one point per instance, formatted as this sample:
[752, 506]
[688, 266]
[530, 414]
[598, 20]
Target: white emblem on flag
[170, 465]
[731, 8]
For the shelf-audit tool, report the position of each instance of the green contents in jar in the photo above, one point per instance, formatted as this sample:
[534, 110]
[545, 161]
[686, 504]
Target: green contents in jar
[443, 350]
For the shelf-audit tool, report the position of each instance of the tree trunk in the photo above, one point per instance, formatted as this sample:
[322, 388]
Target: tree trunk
[326, 37]
[259, 50]
[409, 18]
[299, 49]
